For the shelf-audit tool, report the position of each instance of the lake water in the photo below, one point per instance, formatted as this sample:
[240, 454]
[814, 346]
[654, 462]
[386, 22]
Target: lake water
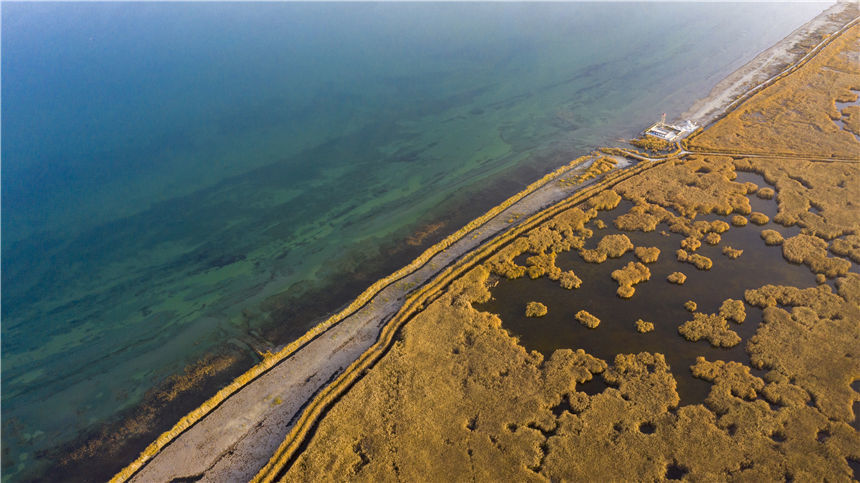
[188, 179]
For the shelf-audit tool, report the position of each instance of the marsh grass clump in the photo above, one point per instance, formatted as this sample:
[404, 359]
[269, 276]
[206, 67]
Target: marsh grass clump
[629, 275]
[569, 280]
[712, 238]
[759, 218]
[565, 231]
[647, 254]
[848, 246]
[812, 251]
[535, 309]
[652, 144]
[739, 220]
[851, 118]
[699, 261]
[765, 193]
[810, 336]
[691, 306]
[771, 237]
[605, 200]
[643, 327]
[719, 226]
[599, 166]
[677, 191]
[587, 319]
[691, 243]
[712, 327]
[612, 246]
[733, 310]
[677, 278]
[599, 224]
[732, 253]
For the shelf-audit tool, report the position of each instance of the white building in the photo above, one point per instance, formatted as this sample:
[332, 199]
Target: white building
[670, 132]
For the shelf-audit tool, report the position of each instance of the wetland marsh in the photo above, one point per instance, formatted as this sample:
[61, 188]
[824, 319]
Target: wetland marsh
[751, 371]
[216, 180]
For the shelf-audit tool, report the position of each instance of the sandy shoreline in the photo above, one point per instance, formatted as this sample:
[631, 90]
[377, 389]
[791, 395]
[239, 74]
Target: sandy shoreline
[767, 64]
[235, 439]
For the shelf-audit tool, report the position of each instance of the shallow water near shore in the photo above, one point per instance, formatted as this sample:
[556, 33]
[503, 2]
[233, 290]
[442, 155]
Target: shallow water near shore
[185, 180]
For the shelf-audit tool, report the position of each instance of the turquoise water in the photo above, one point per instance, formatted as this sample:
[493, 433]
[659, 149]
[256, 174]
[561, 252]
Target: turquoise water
[181, 179]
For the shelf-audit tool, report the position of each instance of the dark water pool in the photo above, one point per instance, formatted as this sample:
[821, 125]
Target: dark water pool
[656, 300]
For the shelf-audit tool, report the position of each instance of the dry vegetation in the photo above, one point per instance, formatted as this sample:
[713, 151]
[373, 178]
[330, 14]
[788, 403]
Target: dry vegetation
[643, 326]
[677, 278]
[848, 246]
[713, 238]
[772, 237]
[647, 254]
[587, 319]
[628, 276]
[851, 118]
[492, 412]
[811, 250]
[599, 166]
[732, 253]
[456, 397]
[759, 218]
[733, 310]
[712, 327]
[652, 144]
[611, 246]
[766, 193]
[795, 115]
[535, 309]
[699, 261]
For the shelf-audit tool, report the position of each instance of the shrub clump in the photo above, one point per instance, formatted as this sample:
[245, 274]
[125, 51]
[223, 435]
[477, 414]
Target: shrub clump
[643, 327]
[848, 246]
[771, 237]
[732, 253]
[535, 309]
[739, 220]
[690, 305]
[569, 280]
[631, 274]
[587, 319]
[677, 278]
[759, 218]
[691, 243]
[812, 251]
[766, 193]
[699, 261]
[719, 226]
[651, 143]
[612, 246]
[647, 254]
[712, 238]
[732, 309]
[712, 327]
[605, 200]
